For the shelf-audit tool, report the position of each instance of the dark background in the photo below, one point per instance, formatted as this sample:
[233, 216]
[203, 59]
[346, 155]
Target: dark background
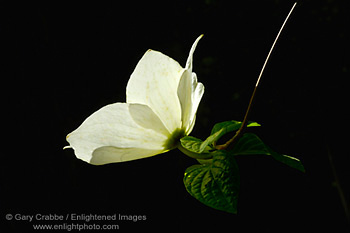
[69, 59]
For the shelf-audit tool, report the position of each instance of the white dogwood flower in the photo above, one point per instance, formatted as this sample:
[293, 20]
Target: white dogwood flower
[161, 104]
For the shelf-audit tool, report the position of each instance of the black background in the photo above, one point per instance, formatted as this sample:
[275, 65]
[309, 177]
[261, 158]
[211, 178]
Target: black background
[69, 59]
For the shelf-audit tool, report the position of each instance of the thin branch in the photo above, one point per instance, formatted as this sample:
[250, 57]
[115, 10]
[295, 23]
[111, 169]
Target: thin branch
[338, 186]
[239, 133]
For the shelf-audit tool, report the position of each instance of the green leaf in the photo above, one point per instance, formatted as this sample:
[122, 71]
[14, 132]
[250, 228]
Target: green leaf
[212, 138]
[250, 144]
[198, 146]
[190, 146]
[288, 160]
[230, 126]
[215, 184]
[222, 128]
[191, 143]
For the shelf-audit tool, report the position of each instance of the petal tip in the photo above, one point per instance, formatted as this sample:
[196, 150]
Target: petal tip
[189, 59]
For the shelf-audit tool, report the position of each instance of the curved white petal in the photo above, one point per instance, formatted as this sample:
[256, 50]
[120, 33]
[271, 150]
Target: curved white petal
[146, 118]
[119, 125]
[110, 154]
[154, 83]
[190, 57]
[197, 94]
[190, 92]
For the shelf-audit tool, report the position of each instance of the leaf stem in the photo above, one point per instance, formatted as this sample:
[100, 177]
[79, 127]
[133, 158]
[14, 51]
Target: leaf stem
[240, 132]
[193, 154]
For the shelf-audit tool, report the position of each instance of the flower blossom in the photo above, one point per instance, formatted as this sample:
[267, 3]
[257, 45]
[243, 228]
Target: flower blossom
[161, 104]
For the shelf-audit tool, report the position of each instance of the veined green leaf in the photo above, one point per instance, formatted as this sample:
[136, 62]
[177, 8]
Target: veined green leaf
[250, 144]
[288, 160]
[230, 126]
[190, 146]
[191, 143]
[220, 129]
[215, 184]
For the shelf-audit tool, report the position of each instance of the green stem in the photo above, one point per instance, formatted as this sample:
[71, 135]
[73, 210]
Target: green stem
[193, 154]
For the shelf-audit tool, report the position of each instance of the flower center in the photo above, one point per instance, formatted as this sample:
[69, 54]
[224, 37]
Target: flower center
[174, 139]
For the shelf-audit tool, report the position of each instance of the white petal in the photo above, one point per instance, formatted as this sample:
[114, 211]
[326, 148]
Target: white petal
[146, 118]
[190, 92]
[198, 91]
[184, 92]
[154, 83]
[190, 57]
[118, 125]
[110, 154]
